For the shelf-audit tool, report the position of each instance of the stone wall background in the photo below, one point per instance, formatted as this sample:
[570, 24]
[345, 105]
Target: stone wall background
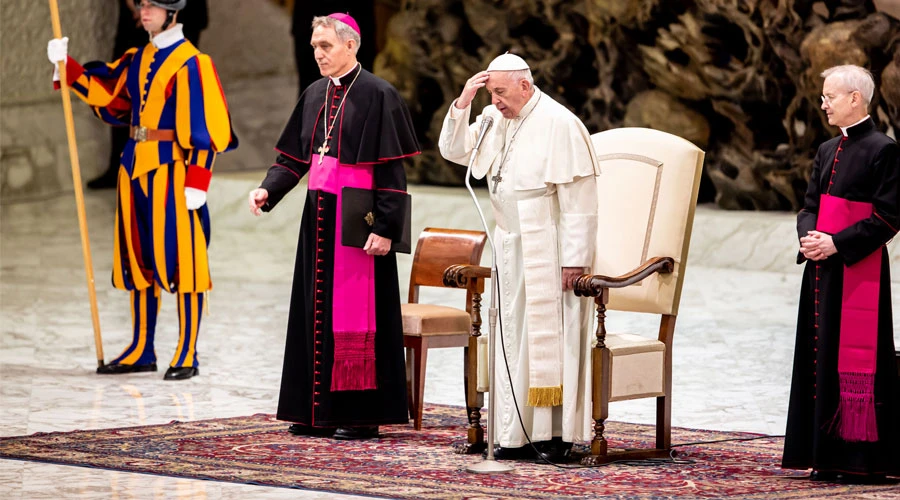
[738, 78]
[249, 40]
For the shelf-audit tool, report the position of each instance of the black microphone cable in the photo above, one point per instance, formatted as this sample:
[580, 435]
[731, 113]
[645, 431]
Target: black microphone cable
[646, 462]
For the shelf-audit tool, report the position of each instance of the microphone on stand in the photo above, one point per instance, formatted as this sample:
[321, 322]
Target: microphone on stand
[485, 126]
[489, 465]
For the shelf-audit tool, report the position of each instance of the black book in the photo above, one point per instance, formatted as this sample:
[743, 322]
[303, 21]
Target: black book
[358, 218]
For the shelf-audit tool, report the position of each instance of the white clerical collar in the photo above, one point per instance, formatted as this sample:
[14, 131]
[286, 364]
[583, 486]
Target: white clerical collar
[337, 81]
[844, 129]
[168, 37]
[530, 105]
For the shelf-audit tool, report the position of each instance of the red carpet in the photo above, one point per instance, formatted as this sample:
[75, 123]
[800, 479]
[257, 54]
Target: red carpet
[404, 463]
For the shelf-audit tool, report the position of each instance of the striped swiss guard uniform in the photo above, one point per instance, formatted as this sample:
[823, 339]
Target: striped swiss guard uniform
[170, 95]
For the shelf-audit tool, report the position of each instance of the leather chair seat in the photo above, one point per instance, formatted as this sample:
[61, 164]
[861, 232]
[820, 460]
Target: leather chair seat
[429, 319]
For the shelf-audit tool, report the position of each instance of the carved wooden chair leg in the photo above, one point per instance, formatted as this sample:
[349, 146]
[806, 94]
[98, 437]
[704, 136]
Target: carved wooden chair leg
[664, 403]
[600, 371]
[599, 446]
[598, 443]
[663, 418]
[474, 402]
[420, 362]
[410, 382]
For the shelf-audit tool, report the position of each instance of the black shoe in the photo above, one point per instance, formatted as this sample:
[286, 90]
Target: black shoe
[862, 479]
[308, 430]
[521, 453]
[823, 475]
[107, 180]
[349, 433]
[554, 451]
[116, 369]
[182, 373]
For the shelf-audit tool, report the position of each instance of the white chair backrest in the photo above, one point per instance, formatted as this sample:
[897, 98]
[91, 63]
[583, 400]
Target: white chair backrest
[647, 195]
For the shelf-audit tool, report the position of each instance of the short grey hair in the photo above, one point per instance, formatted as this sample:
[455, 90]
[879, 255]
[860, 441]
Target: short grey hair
[521, 74]
[343, 30]
[852, 78]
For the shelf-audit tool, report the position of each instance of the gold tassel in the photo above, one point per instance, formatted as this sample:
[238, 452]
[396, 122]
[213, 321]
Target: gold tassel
[545, 396]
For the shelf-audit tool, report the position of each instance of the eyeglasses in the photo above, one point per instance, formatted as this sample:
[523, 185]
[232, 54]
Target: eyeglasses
[828, 99]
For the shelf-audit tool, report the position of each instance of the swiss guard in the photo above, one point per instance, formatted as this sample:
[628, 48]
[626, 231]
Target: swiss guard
[170, 95]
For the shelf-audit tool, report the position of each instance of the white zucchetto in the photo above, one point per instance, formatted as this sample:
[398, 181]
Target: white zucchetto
[507, 62]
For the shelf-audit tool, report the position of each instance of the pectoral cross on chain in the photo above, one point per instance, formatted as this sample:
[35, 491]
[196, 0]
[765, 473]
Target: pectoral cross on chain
[496, 179]
[322, 150]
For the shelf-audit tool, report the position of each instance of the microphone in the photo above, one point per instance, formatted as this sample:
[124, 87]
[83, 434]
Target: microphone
[485, 126]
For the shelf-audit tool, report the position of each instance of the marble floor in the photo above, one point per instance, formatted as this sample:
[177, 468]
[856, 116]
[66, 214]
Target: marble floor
[732, 354]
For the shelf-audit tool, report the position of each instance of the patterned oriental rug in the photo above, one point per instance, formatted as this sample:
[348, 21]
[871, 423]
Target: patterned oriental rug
[407, 464]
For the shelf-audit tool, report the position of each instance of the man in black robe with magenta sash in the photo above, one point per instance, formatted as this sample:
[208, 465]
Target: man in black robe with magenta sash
[344, 370]
[844, 414]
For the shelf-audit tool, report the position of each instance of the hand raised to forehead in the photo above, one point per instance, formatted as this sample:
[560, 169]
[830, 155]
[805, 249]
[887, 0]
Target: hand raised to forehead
[477, 81]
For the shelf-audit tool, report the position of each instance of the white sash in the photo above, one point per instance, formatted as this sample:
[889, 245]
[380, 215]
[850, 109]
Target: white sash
[543, 301]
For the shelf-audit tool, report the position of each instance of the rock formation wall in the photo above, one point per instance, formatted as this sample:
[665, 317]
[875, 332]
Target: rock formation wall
[739, 78]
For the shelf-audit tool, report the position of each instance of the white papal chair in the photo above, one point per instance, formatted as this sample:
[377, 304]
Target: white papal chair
[647, 195]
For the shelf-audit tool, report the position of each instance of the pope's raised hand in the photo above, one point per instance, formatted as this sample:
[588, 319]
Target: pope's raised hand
[477, 81]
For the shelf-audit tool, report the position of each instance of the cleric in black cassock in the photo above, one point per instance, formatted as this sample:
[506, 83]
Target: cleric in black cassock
[336, 375]
[844, 413]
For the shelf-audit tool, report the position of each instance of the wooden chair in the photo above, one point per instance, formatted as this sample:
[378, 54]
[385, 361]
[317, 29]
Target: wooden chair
[647, 195]
[440, 252]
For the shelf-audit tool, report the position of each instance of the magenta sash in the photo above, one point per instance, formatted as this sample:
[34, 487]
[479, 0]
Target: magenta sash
[855, 416]
[353, 306]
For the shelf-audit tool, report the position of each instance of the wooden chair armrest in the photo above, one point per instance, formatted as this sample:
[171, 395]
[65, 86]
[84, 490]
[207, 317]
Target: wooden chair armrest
[591, 285]
[458, 275]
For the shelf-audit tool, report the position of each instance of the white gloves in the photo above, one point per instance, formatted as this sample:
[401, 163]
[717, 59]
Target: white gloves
[194, 198]
[196, 182]
[57, 51]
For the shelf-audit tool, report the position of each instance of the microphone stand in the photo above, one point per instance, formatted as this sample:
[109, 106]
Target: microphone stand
[489, 465]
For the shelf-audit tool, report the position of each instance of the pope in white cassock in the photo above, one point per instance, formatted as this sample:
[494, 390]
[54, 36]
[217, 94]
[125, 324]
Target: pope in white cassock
[543, 172]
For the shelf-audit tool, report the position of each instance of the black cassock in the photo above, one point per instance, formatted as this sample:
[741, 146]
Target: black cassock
[372, 127]
[868, 170]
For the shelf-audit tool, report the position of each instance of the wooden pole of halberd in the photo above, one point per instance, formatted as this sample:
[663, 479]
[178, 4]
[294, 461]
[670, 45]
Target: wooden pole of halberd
[79, 193]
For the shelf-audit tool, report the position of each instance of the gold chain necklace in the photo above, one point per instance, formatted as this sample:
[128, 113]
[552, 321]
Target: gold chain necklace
[324, 147]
